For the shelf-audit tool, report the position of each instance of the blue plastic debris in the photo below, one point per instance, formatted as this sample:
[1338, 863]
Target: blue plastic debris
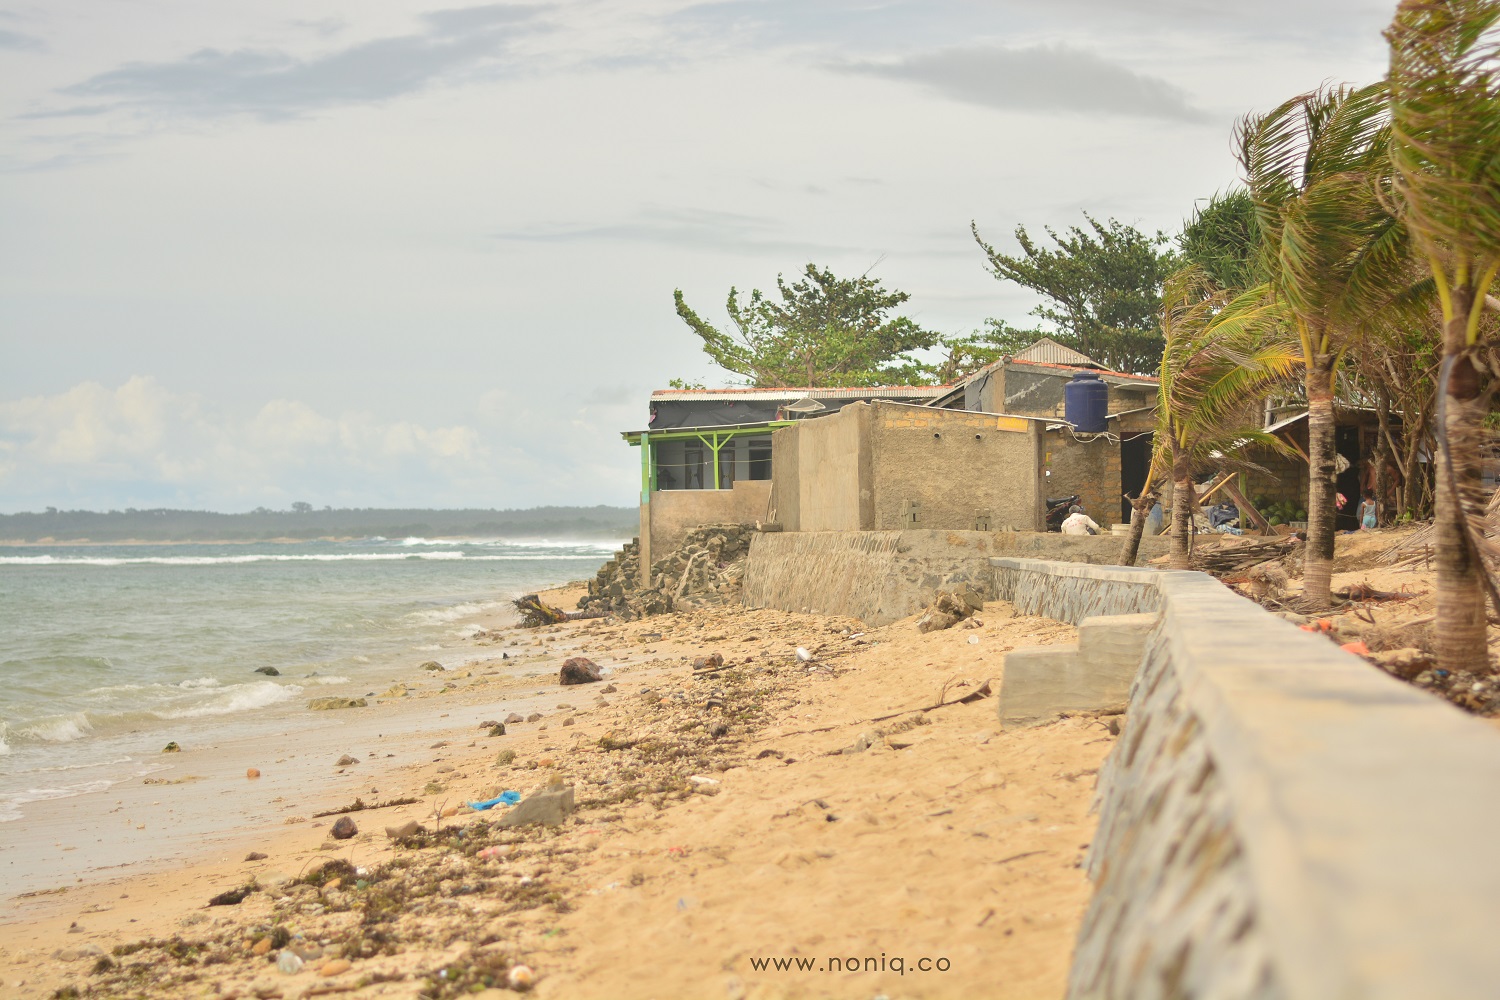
[506, 798]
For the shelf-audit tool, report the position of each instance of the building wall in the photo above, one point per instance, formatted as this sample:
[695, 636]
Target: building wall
[786, 487]
[883, 576]
[1040, 394]
[1090, 468]
[833, 480]
[953, 463]
[673, 513]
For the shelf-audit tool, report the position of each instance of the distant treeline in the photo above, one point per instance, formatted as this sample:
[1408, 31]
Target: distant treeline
[302, 521]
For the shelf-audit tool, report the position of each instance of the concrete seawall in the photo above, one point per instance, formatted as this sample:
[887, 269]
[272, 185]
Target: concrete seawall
[882, 576]
[1278, 819]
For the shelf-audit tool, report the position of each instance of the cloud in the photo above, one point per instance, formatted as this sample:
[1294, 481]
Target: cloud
[14, 41]
[142, 440]
[1044, 78]
[691, 227]
[275, 84]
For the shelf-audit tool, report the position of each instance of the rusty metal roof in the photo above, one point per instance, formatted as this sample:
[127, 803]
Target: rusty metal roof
[790, 394]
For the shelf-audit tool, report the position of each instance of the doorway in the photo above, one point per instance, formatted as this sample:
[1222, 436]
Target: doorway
[1135, 463]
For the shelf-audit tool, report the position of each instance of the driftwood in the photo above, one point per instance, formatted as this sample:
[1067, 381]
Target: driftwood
[535, 612]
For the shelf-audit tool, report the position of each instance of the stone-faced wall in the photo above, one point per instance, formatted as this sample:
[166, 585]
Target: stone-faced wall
[953, 463]
[1278, 819]
[882, 576]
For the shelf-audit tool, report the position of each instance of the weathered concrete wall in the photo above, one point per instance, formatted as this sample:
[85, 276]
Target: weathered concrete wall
[1090, 468]
[833, 459]
[786, 482]
[673, 513]
[1278, 819]
[953, 463]
[882, 576]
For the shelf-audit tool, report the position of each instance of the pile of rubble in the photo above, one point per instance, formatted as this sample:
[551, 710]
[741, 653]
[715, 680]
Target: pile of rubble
[948, 608]
[704, 571]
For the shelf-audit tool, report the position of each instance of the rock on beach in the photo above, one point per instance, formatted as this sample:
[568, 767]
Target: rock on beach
[579, 670]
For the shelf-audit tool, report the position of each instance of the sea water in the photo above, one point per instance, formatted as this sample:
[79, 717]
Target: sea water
[109, 652]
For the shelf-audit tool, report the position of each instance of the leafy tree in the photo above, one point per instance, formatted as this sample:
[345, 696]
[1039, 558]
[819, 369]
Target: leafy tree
[1445, 106]
[966, 355]
[824, 331]
[1223, 239]
[1103, 287]
[1335, 256]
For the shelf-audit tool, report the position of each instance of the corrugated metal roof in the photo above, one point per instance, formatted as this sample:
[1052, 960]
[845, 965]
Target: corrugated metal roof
[1103, 373]
[861, 392]
[1051, 352]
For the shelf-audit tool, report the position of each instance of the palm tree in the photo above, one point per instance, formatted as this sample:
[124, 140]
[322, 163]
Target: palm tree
[1221, 355]
[1445, 107]
[1335, 253]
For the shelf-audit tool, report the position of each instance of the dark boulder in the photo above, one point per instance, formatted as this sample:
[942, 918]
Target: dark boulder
[579, 670]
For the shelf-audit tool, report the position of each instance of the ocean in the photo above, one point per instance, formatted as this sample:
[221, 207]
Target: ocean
[109, 652]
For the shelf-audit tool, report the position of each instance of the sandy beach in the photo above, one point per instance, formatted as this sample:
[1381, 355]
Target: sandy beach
[774, 828]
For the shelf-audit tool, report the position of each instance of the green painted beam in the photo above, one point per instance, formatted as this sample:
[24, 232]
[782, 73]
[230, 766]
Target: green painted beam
[648, 467]
[633, 438]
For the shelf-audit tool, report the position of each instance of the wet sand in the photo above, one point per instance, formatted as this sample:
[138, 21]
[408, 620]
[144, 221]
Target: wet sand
[720, 828]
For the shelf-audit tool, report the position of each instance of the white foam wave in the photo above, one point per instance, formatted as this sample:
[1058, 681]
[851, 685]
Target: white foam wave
[200, 682]
[237, 698]
[83, 767]
[330, 679]
[62, 729]
[455, 611]
[10, 805]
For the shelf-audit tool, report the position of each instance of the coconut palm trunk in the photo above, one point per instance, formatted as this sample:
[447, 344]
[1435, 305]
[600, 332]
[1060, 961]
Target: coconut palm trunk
[1460, 628]
[1317, 568]
[1141, 506]
[1182, 508]
[1383, 459]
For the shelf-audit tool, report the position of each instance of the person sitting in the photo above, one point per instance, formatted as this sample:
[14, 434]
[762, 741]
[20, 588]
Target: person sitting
[1079, 523]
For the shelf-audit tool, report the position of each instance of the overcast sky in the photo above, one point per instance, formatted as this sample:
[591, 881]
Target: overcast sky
[378, 252]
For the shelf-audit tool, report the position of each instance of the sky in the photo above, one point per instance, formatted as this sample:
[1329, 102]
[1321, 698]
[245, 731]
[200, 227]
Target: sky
[368, 253]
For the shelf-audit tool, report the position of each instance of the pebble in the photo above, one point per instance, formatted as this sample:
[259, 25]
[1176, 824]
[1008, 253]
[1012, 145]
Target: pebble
[256, 856]
[343, 829]
[520, 977]
[534, 717]
[253, 772]
[288, 962]
[335, 967]
[261, 947]
[346, 760]
[513, 718]
[568, 721]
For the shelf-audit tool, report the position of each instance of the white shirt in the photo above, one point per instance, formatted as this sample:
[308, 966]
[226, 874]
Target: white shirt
[1079, 524]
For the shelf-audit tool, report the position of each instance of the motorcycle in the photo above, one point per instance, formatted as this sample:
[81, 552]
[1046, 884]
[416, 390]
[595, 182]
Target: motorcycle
[1057, 511]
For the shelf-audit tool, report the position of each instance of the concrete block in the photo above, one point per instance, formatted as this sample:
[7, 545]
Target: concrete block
[1115, 643]
[550, 806]
[1095, 674]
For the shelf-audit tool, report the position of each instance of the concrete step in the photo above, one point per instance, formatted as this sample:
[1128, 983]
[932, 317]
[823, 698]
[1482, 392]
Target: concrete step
[1092, 675]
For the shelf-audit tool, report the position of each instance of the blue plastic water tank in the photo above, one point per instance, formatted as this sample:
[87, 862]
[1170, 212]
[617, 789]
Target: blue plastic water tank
[1086, 402]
